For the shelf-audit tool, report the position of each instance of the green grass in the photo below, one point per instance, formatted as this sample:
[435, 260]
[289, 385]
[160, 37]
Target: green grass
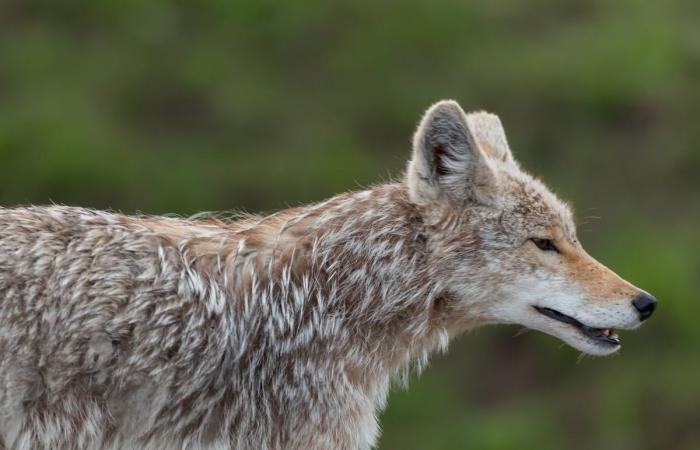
[173, 107]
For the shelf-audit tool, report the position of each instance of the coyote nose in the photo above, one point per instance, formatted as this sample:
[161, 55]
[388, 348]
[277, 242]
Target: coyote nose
[645, 304]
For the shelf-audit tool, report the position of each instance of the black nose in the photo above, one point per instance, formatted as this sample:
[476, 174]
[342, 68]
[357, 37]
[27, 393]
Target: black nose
[645, 304]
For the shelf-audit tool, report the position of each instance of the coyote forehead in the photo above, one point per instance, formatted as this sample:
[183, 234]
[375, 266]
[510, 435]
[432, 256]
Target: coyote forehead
[285, 331]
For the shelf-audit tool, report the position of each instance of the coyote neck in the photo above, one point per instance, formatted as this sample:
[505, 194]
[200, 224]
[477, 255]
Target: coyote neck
[326, 303]
[360, 259]
[346, 279]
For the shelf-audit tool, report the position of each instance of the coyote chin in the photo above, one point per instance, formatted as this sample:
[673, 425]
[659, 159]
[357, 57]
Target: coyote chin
[285, 331]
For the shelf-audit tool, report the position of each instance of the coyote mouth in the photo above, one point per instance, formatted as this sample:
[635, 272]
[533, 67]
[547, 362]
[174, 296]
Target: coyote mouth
[603, 336]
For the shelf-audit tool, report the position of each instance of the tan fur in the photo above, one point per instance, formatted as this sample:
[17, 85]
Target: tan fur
[285, 331]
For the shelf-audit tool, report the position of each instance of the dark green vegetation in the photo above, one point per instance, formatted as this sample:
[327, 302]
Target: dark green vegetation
[187, 106]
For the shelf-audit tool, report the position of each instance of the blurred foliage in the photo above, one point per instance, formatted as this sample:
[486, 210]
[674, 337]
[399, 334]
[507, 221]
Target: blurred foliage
[180, 107]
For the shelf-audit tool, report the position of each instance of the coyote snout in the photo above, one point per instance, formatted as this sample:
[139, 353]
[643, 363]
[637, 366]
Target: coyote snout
[596, 303]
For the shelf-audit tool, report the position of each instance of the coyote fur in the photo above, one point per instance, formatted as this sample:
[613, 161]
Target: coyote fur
[286, 331]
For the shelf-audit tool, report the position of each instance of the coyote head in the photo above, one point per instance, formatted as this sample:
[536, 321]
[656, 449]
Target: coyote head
[504, 247]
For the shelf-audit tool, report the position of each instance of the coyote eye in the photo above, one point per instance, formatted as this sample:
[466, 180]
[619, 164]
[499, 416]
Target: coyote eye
[546, 245]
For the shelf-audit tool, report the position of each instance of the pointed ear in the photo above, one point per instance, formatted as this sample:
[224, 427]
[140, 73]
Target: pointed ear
[489, 135]
[447, 161]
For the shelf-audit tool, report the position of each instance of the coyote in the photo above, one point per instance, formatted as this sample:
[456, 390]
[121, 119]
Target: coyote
[286, 331]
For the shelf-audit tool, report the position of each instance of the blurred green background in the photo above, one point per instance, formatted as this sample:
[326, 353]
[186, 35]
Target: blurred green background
[180, 107]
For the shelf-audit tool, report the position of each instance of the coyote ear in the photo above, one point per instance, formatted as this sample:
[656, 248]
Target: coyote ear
[489, 135]
[447, 162]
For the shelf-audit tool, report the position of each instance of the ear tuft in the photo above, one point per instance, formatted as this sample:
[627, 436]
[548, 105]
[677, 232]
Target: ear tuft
[447, 161]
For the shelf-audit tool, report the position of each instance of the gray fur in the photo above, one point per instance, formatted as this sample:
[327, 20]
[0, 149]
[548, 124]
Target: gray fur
[278, 332]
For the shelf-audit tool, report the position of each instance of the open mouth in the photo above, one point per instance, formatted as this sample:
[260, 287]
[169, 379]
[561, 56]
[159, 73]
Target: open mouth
[603, 336]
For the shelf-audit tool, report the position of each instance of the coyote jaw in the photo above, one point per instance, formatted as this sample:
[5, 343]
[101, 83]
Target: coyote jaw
[601, 336]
